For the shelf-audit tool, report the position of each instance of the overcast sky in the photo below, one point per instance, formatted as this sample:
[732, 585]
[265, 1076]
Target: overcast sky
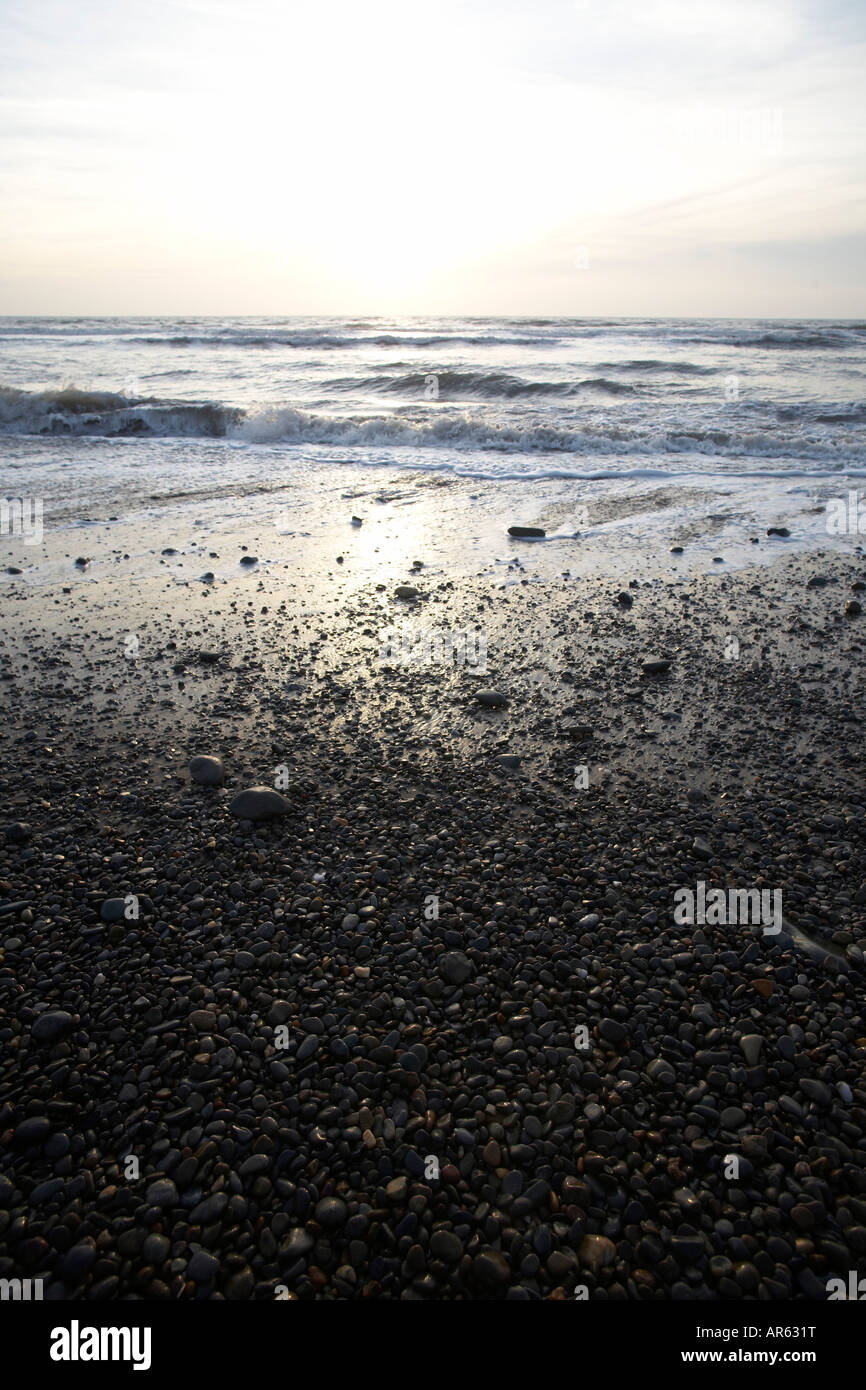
[670, 157]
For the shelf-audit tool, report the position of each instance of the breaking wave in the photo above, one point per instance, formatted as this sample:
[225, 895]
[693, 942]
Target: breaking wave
[819, 432]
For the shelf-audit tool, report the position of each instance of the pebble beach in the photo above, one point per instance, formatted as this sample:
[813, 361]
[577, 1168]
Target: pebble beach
[329, 976]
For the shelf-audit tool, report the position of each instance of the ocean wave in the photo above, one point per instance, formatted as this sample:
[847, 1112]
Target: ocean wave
[653, 364]
[785, 338]
[286, 424]
[304, 340]
[73, 412]
[478, 386]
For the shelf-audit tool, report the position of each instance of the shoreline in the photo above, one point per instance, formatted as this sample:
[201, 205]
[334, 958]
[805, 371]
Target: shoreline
[607, 527]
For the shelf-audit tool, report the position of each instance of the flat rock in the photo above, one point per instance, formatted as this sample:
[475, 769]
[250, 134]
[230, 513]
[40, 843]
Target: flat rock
[526, 532]
[258, 803]
[510, 761]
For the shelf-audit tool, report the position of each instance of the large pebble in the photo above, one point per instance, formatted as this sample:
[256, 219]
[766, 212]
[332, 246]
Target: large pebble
[208, 771]
[455, 968]
[258, 803]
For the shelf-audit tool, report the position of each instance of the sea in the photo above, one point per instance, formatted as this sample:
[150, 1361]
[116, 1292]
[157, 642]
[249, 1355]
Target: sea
[632, 430]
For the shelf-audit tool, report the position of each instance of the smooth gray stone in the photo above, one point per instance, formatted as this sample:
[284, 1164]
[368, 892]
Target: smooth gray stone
[208, 771]
[202, 1267]
[491, 698]
[51, 1025]
[258, 803]
[455, 968]
[654, 665]
[113, 910]
[751, 1046]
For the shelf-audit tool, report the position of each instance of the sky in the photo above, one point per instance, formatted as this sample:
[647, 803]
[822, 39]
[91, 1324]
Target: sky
[578, 157]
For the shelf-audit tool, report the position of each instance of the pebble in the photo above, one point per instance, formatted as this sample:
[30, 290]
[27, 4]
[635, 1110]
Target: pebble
[815, 1090]
[113, 910]
[331, 1213]
[258, 803]
[207, 770]
[53, 1024]
[491, 698]
[444, 1245]
[596, 1252]
[455, 968]
[31, 1131]
[751, 1046]
[162, 1193]
[732, 1117]
[203, 1267]
[655, 665]
[491, 1269]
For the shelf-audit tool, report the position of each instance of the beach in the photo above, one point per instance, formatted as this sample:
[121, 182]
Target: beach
[432, 1030]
